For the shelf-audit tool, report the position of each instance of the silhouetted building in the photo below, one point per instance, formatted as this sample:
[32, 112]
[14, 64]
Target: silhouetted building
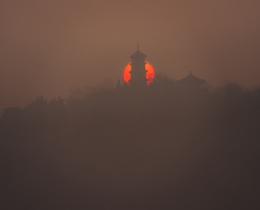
[191, 80]
[138, 71]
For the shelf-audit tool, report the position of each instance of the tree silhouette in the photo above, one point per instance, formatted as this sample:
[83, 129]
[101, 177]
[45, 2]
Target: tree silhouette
[157, 146]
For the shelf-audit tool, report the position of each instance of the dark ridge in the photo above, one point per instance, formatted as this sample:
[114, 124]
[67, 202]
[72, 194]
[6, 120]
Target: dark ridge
[162, 146]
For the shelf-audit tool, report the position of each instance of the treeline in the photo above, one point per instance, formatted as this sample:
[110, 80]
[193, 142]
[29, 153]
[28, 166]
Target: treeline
[163, 146]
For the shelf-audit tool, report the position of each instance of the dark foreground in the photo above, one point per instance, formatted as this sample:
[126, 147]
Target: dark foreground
[161, 147]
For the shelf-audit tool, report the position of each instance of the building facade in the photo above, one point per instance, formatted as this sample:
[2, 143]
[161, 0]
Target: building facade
[138, 71]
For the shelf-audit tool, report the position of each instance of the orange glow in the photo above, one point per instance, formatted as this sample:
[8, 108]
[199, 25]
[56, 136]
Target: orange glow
[149, 74]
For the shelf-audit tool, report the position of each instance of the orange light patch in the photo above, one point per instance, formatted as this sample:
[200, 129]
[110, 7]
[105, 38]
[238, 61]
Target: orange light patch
[149, 74]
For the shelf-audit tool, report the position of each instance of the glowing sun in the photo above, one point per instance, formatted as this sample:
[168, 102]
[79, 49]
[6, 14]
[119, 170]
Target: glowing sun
[149, 74]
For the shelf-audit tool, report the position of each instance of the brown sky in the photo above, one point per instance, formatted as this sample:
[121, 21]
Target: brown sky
[47, 47]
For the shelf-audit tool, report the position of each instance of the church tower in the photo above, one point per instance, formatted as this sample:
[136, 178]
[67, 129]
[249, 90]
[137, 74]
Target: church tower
[138, 71]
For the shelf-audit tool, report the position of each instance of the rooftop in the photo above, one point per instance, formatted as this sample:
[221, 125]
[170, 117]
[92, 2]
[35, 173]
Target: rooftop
[138, 54]
[191, 80]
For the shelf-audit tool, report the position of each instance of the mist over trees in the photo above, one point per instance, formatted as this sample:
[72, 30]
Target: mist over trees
[112, 146]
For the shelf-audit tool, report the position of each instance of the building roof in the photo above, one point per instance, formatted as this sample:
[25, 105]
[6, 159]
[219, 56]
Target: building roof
[138, 54]
[191, 80]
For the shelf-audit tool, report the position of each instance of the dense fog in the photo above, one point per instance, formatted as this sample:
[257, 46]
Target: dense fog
[48, 47]
[69, 141]
[163, 146]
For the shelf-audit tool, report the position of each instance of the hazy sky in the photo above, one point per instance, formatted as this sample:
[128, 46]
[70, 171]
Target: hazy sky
[47, 47]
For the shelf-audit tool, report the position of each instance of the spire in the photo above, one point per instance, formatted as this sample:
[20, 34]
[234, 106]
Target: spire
[138, 54]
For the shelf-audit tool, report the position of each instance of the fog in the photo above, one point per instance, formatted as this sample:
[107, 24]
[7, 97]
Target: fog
[48, 47]
[165, 145]
[71, 137]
